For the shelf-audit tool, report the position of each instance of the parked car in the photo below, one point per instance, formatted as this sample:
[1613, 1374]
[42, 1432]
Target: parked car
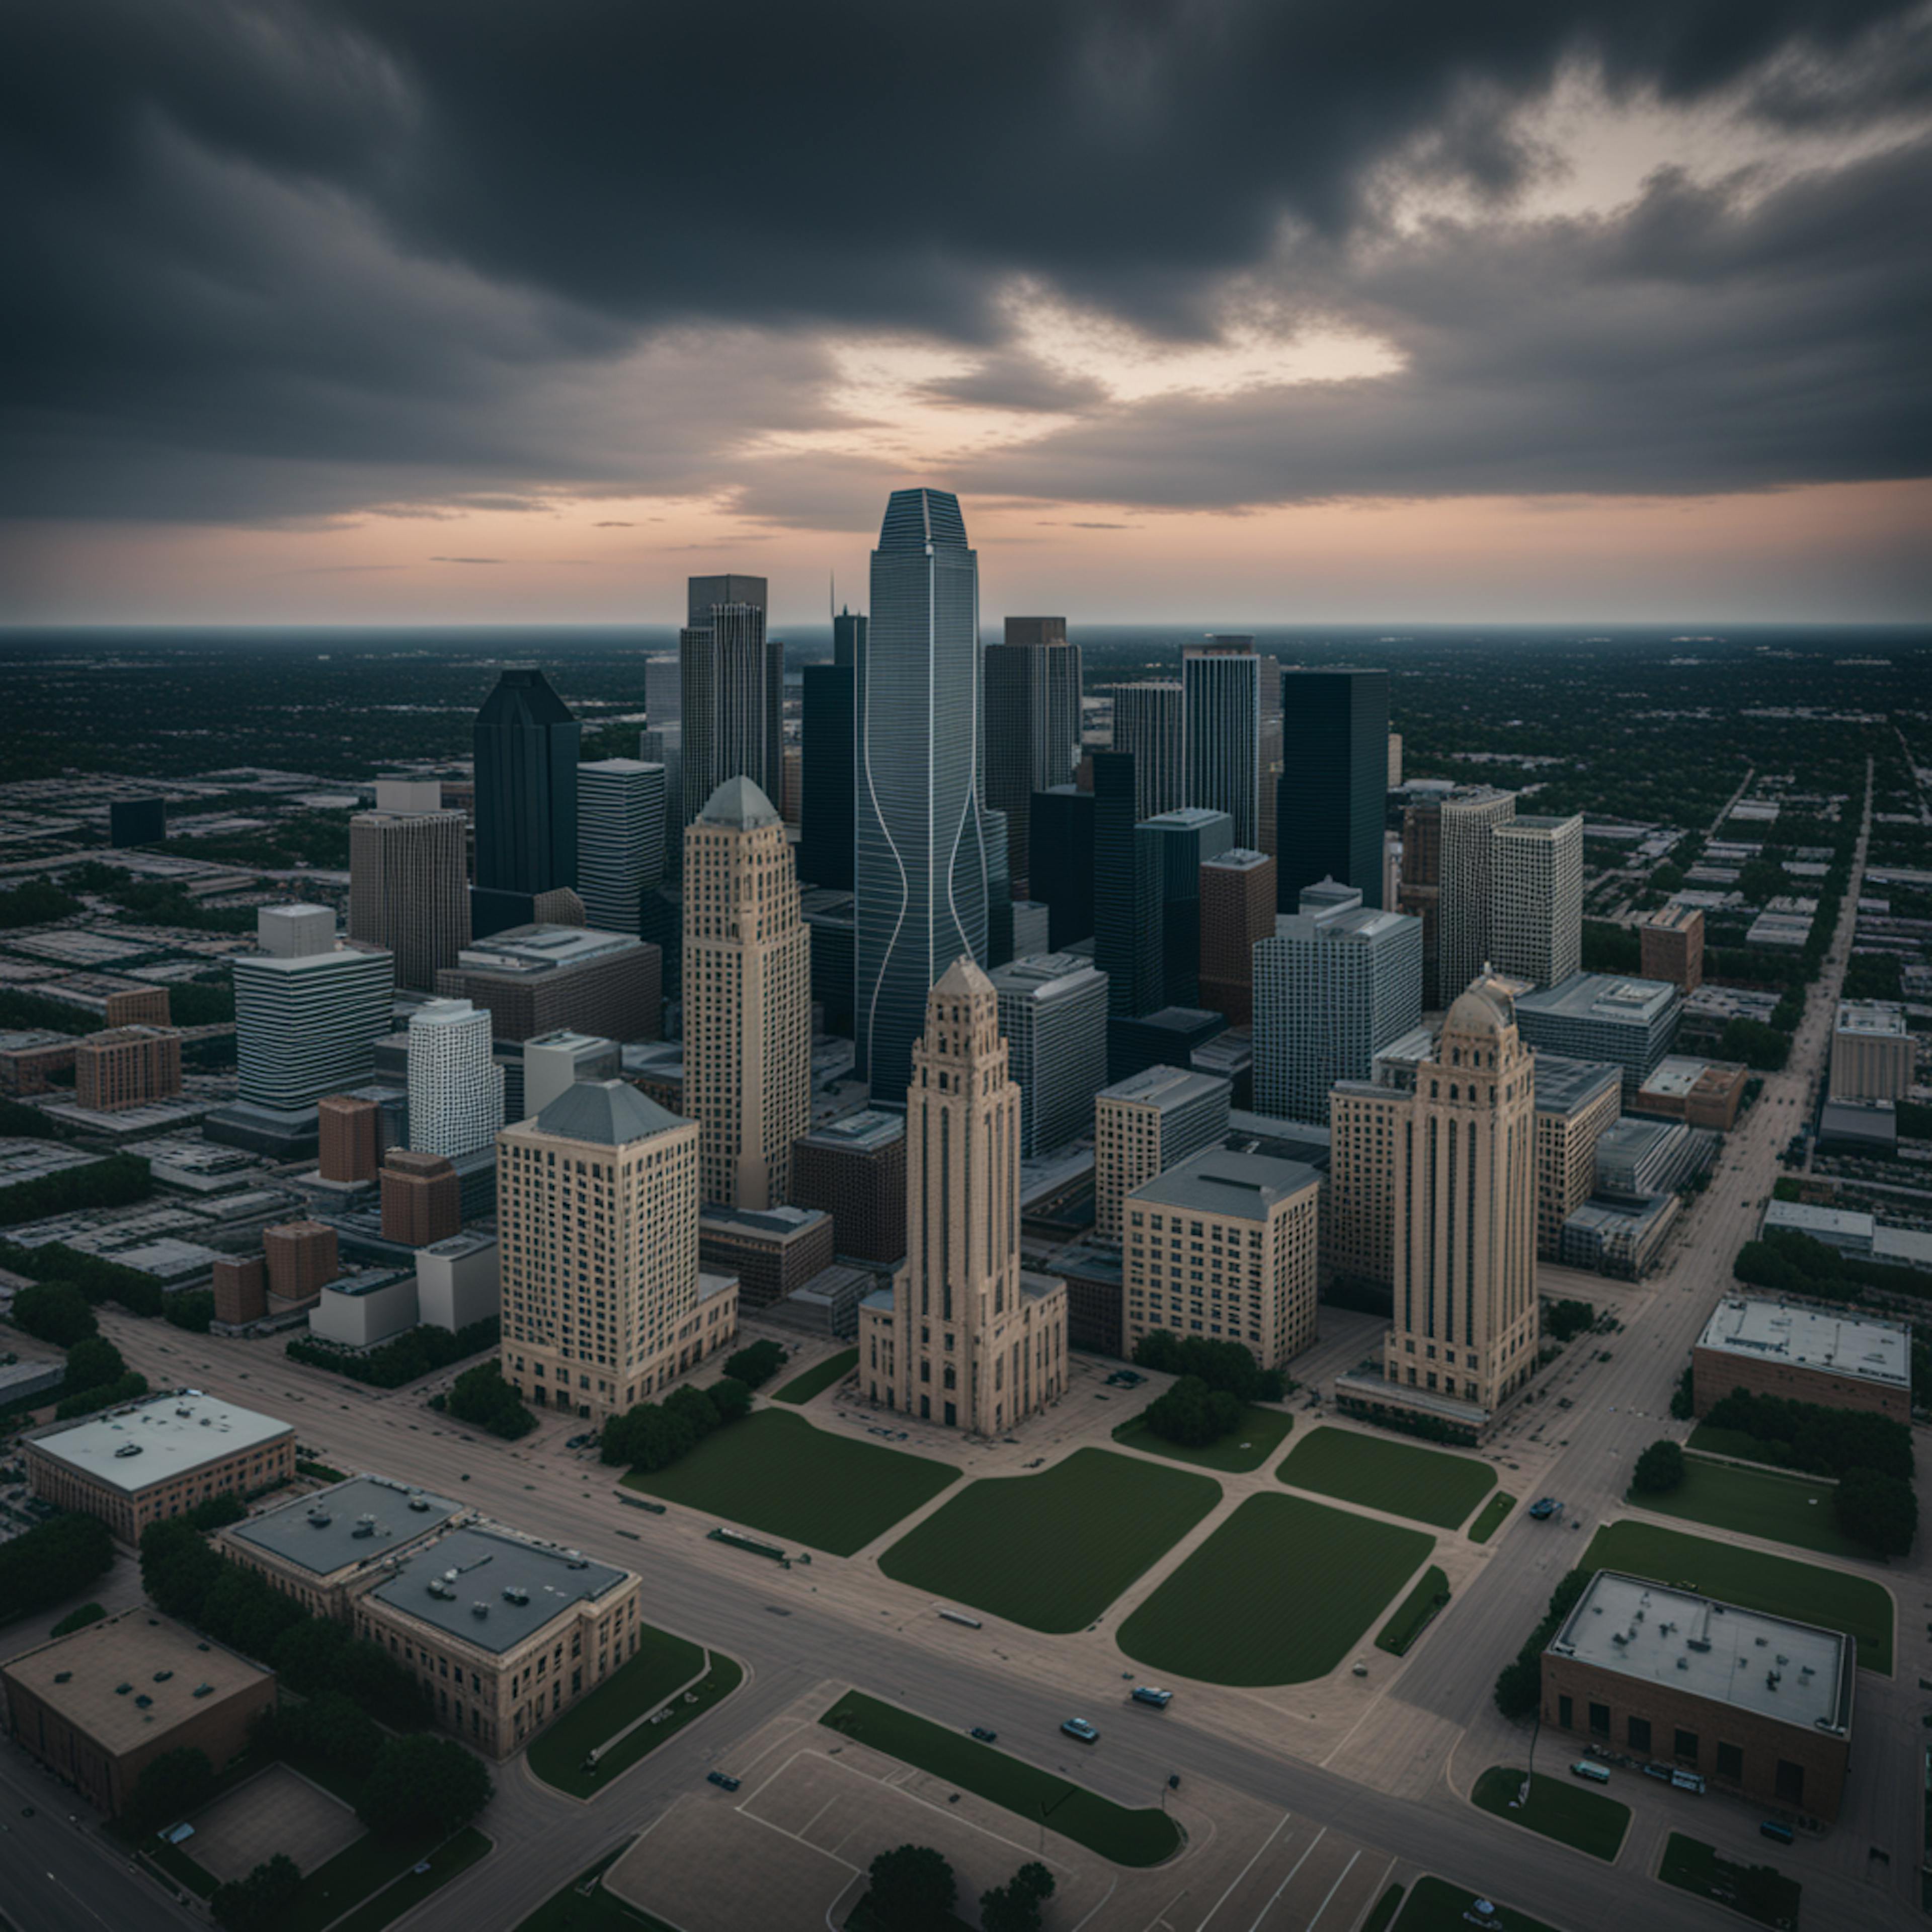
[723, 1781]
[984, 1736]
[1078, 1727]
[1145, 1693]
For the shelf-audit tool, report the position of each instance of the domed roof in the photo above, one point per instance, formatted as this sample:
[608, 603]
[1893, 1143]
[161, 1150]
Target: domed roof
[1486, 1008]
[739, 801]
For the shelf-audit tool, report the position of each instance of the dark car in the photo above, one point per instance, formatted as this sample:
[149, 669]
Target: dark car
[721, 1780]
[1078, 1727]
[984, 1736]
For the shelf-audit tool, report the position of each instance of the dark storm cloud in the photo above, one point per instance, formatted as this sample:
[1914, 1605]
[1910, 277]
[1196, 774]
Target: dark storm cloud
[287, 258]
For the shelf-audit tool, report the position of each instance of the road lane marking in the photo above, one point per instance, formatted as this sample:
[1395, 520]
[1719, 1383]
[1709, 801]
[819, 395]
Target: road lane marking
[1288, 1881]
[1332, 1890]
[1243, 1872]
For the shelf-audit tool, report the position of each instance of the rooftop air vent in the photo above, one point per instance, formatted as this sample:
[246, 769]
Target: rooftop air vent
[144, 1700]
[515, 1593]
[420, 1504]
[162, 1676]
[204, 1689]
[128, 1449]
[479, 1608]
[63, 1676]
[321, 1518]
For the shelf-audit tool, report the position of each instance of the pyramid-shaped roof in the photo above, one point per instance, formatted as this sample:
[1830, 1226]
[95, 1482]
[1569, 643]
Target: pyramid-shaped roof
[610, 1112]
[739, 802]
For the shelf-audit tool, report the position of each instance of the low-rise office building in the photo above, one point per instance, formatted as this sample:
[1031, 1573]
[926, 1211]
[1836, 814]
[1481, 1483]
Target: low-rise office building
[100, 1706]
[1671, 943]
[1636, 1159]
[1700, 1092]
[365, 1307]
[539, 979]
[1631, 1023]
[1754, 1704]
[1803, 1355]
[503, 1633]
[458, 1282]
[855, 1169]
[157, 1457]
[773, 1251]
[29, 1058]
[1577, 1101]
[1872, 1051]
[321, 1549]
[1225, 1247]
[127, 1067]
[1146, 1124]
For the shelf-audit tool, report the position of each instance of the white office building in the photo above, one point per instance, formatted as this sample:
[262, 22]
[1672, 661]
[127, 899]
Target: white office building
[1221, 710]
[1053, 1014]
[1462, 922]
[456, 1086]
[309, 1010]
[620, 838]
[1536, 898]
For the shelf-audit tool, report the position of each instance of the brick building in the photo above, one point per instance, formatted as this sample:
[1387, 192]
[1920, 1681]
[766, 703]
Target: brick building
[127, 1067]
[157, 1457]
[138, 1006]
[241, 1284]
[1671, 947]
[773, 1251]
[1755, 1704]
[855, 1169]
[1237, 894]
[349, 1137]
[537, 979]
[302, 1258]
[1700, 1092]
[422, 1198]
[100, 1706]
[30, 1057]
[1803, 1355]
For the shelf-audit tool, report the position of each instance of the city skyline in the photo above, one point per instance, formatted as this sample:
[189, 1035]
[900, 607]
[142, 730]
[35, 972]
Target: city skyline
[1541, 314]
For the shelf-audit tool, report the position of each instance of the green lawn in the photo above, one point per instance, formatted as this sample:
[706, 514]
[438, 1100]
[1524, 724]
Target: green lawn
[584, 1906]
[1716, 1442]
[1753, 1579]
[774, 1472]
[1261, 1433]
[1143, 1838]
[1759, 1892]
[1799, 1510]
[1377, 1920]
[351, 1876]
[1559, 1808]
[413, 1887]
[1420, 1609]
[1052, 1551]
[1433, 1905]
[1397, 1477]
[662, 1664]
[1280, 1594]
[1491, 1518]
[834, 1369]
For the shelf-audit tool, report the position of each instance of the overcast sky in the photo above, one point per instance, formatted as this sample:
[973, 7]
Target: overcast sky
[464, 309]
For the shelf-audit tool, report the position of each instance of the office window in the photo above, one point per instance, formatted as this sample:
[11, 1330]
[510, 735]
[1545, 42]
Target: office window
[1686, 1745]
[1600, 1720]
[1731, 1762]
[1566, 1713]
[1638, 1730]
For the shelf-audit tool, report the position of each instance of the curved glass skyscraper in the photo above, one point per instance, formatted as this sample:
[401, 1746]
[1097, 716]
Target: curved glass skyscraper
[919, 861]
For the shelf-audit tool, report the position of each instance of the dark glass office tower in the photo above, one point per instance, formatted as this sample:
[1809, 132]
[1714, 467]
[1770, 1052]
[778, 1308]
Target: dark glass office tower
[526, 746]
[1330, 804]
[1032, 726]
[826, 812]
[1062, 862]
[1177, 845]
[1126, 891]
[919, 864]
[731, 691]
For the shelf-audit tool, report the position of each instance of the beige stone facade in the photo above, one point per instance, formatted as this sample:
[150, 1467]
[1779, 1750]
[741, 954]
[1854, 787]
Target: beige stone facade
[1464, 1231]
[597, 1218]
[138, 1006]
[747, 999]
[1569, 1123]
[964, 1339]
[1872, 1052]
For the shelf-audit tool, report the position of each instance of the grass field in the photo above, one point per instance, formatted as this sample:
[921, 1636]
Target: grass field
[1127, 1837]
[1433, 1905]
[1716, 1442]
[1797, 1509]
[1377, 1920]
[1753, 1579]
[1420, 1609]
[1262, 1432]
[1280, 1594]
[1491, 1519]
[1759, 1892]
[1052, 1551]
[834, 1369]
[584, 1906]
[1397, 1477]
[662, 1664]
[1558, 1809]
[413, 1887]
[774, 1472]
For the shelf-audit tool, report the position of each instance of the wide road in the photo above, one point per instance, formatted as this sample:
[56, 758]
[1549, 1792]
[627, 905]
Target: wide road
[841, 1621]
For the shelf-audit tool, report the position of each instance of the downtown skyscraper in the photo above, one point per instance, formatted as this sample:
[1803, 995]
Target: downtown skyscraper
[526, 746]
[731, 690]
[1330, 799]
[1032, 739]
[919, 859]
[1147, 722]
[1221, 709]
[825, 813]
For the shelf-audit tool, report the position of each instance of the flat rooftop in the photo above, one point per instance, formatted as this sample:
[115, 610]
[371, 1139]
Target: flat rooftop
[1244, 1186]
[1601, 996]
[364, 1517]
[1564, 1084]
[1680, 1642]
[769, 1224]
[1048, 975]
[1675, 918]
[160, 1438]
[1872, 1351]
[1677, 1075]
[1165, 1086]
[1881, 1018]
[1824, 1224]
[1237, 859]
[860, 1133]
[543, 948]
[468, 1585]
[131, 1678]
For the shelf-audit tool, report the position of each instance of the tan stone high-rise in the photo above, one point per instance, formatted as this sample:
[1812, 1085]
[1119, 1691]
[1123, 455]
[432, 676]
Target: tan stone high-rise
[409, 888]
[597, 1231]
[964, 1337]
[1465, 1218]
[747, 998]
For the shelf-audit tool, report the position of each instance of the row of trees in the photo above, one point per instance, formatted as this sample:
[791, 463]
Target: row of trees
[654, 1434]
[417, 1353]
[113, 1182]
[1810, 1436]
[1221, 1365]
[47, 1564]
[1563, 1320]
[97, 1378]
[98, 1279]
[913, 1889]
[1193, 1414]
[1791, 1263]
[482, 1396]
[1519, 1686]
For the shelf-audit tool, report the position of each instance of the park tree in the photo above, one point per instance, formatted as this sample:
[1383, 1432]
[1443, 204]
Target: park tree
[696, 1407]
[1660, 1469]
[1015, 1906]
[92, 1361]
[1879, 1510]
[730, 1399]
[175, 1783]
[1193, 1414]
[47, 1564]
[55, 1311]
[756, 1365]
[259, 1902]
[481, 1395]
[423, 1784]
[913, 1889]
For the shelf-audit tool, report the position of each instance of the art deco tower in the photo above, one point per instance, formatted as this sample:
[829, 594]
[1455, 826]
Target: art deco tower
[747, 998]
[965, 1339]
[920, 863]
[1464, 1212]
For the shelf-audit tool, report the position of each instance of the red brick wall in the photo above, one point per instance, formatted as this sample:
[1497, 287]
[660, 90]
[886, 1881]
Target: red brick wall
[1715, 1373]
